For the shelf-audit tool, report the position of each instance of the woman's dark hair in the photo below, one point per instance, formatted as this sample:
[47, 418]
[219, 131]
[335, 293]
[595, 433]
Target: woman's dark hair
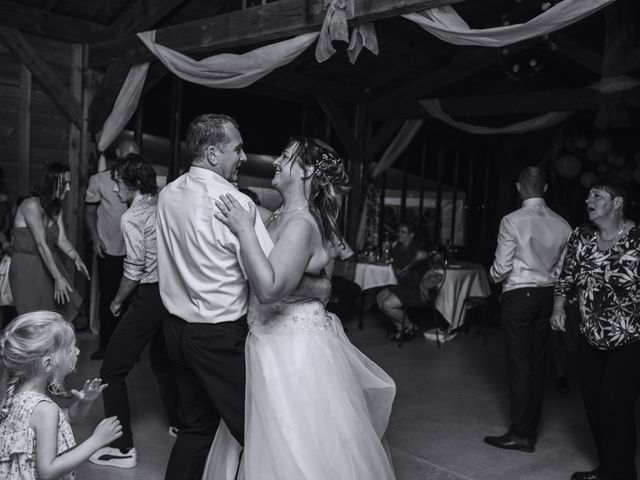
[328, 183]
[50, 188]
[616, 186]
[410, 226]
[136, 173]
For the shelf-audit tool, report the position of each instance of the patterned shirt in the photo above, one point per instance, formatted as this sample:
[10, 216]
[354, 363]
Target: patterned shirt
[138, 226]
[606, 285]
[18, 445]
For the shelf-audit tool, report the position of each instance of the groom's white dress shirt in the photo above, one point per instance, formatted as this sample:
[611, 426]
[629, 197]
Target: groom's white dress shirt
[531, 242]
[201, 276]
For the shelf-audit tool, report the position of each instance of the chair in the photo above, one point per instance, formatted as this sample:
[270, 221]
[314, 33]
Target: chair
[429, 289]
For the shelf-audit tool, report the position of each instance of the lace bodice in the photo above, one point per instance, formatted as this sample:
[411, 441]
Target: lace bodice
[302, 310]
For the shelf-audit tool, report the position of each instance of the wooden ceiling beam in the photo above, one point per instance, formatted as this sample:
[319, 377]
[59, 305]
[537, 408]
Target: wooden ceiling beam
[50, 83]
[533, 103]
[467, 62]
[620, 32]
[264, 23]
[52, 25]
[314, 86]
[141, 15]
[580, 54]
[340, 126]
[633, 61]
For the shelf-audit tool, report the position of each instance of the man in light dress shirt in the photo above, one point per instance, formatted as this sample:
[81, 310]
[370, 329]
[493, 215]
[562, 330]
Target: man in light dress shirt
[203, 286]
[531, 242]
[135, 185]
[103, 211]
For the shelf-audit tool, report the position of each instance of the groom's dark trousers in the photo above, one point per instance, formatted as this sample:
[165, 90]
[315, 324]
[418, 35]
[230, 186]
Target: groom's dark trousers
[209, 370]
[526, 326]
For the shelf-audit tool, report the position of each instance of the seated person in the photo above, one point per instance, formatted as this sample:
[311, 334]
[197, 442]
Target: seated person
[410, 263]
[344, 292]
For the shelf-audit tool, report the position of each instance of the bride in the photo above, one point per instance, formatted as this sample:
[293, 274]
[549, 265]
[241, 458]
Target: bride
[316, 408]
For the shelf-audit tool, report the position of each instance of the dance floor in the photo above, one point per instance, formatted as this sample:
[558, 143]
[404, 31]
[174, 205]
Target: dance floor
[448, 399]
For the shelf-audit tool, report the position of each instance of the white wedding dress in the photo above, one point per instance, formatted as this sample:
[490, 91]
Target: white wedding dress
[316, 407]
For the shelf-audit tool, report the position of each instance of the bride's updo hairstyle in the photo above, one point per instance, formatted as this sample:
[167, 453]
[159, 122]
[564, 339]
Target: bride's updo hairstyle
[329, 182]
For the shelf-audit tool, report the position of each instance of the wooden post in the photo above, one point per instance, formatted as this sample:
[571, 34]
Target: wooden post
[405, 184]
[176, 120]
[24, 128]
[454, 199]
[138, 128]
[74, 205]
[438, 226]
[423, 169]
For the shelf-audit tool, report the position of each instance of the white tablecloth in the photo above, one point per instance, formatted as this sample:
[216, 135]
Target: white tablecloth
[459, 284]
[369, 275]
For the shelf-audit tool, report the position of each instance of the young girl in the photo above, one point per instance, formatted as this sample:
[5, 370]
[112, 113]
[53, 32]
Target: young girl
[37, 351]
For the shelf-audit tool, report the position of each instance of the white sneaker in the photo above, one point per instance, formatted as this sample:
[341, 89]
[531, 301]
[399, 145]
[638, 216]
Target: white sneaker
[113, 457]
[443, 337]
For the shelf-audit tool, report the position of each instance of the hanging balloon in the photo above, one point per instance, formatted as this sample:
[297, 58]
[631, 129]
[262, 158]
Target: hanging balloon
[588, 179]
[618, 161]
[581, 142]
[602, 145]
[603, 168]
[636, 174]
[593, 155]
[623, 173]
[568, 166]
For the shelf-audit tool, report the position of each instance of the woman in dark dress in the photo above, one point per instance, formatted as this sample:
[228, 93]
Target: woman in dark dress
[409, 265]
[37, 276]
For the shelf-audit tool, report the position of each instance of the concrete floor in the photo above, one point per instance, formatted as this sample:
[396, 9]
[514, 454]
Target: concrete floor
[448, 399]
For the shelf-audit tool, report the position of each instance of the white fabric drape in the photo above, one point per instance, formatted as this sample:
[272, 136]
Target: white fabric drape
[606, 86]
[447, 25]
[398, 145]
[432, 106]
[229, 70]
[123, 109]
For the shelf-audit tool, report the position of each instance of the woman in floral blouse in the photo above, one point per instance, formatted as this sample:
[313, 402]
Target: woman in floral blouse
[601, 273]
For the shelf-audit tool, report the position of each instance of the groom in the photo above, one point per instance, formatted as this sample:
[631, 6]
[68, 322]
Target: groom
[204, 289]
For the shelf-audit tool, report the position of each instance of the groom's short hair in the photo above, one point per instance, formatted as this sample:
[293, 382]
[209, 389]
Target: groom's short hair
[205, 130]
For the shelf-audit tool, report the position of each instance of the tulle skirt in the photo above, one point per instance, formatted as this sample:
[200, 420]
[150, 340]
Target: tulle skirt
[316, 409]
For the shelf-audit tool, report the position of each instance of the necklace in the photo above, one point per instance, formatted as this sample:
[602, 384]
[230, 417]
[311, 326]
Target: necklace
[280, 213]
[616, 236]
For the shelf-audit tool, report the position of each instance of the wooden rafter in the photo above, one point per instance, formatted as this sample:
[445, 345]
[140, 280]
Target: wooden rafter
[467, 62]
[340, 126]
[141, 15]
[580, 54]
[263, 23]
[25, 53]
[48, 24]
[619, 36]
[531, 103]
[138, 16]
[383, 136]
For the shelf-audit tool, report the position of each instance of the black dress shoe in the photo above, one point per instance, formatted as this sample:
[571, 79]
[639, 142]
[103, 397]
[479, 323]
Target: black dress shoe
[594, 474]
[509, 441]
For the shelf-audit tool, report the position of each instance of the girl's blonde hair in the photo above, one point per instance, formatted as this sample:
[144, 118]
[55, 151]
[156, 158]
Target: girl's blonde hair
[24, 345]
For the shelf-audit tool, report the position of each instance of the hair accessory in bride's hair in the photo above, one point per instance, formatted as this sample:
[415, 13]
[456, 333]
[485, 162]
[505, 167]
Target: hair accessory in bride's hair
[326, 160]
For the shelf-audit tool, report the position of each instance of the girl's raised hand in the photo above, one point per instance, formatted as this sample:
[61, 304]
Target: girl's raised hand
[233, 215]
[107, 431]
[90, 390]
